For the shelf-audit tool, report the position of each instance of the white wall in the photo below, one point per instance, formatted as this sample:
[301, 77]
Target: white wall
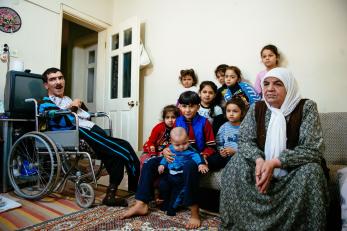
[37, 43]
[311, 35]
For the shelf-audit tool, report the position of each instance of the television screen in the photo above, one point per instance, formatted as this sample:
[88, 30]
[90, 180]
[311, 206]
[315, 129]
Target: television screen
[20, 86]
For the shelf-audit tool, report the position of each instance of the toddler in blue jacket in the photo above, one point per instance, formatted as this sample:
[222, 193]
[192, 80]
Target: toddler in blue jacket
[171, 182]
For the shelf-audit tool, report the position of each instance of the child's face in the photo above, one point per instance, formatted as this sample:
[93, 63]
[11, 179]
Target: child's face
[220, 77]
[170, 119]
[233, 113]
[231, 78]
[189, 111]
[207, 95]
[269, 59]
[187, 81]
[180, 144]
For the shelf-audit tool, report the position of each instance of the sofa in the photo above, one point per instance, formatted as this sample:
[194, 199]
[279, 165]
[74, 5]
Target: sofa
[334, 125]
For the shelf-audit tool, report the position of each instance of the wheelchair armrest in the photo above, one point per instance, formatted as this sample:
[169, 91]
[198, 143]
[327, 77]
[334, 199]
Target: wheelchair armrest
[103, 114]
[98, 114]
[53, 113]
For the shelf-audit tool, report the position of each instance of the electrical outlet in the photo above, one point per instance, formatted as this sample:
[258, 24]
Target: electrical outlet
[14, 53]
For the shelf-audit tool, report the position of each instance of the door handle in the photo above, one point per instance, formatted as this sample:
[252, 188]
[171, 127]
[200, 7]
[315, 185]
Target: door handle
[131, 103]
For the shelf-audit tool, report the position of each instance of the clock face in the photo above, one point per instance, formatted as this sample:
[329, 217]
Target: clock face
[10, 20]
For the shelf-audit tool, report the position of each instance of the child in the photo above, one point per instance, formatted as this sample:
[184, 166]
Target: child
[188, 80]
[160, 135]
[238, 88]
[227, 136]
[220, 72]
[172, 182]
[221, 78]
[270, 58]
[208, 106]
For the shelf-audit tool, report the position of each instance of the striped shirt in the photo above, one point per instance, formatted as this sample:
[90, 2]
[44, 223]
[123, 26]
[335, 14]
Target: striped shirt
[227, 136]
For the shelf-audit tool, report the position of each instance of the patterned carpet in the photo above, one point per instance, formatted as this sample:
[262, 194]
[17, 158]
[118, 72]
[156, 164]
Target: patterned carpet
[60, 212]
[50, 207]
[107, 218]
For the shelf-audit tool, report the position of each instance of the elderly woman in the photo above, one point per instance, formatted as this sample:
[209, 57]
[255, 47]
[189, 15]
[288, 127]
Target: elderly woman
[276, 182]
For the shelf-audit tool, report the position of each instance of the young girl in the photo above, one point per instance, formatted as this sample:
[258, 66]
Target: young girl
[227, 136]
[208, 106]
[270, 58]
[188, 80]
[160, 135]
[238, 88]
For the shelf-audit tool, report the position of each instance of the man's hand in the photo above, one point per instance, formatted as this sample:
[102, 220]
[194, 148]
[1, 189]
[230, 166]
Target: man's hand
[76, 103]
[225, 152]
[152, 148]
[203, 168]
[168, 155]
[161, 169]
[264, 172]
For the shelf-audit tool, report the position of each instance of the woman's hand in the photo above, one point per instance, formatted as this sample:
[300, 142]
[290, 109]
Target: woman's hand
[168, 155]
[152, 148]
[258, 166]
[265, 172]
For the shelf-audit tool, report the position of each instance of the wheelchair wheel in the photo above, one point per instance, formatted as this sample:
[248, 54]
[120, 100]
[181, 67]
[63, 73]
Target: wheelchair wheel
[33, 165]
[85, 195]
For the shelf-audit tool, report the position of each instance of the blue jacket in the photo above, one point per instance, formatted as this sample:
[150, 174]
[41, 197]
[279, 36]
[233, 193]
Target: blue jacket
[181, 158]
[240, 88]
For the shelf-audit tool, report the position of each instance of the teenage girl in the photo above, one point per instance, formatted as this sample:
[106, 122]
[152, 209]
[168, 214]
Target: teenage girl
[228, 133]
[160, 135]
[270, 58]
[208, 106]
[237, 88]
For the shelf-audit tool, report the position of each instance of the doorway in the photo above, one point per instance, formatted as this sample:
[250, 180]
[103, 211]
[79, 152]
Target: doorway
[78, 61]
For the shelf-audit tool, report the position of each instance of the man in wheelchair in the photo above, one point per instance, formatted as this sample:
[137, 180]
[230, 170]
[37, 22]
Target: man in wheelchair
[115, 153]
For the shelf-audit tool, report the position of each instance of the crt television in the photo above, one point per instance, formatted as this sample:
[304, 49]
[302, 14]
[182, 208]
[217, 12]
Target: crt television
[20, 86]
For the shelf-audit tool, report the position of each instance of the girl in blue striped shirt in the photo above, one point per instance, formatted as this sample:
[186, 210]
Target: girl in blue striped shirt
[228, 133]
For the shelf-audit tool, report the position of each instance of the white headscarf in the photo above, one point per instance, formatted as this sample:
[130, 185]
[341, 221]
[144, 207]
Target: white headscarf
[276, 136]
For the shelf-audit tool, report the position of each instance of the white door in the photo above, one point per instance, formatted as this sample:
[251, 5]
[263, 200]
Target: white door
[90, 80]
[122, 84]
[84, 75]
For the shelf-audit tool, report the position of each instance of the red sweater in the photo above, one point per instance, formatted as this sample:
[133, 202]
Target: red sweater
[159, 138]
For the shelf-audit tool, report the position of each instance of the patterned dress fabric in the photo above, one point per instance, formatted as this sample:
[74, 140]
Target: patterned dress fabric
[297, 201]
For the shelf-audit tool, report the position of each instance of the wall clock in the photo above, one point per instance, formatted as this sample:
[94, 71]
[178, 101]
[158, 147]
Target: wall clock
[10, 20]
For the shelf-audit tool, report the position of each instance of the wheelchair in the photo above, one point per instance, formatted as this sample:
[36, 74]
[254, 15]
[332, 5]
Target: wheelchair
[40, 163]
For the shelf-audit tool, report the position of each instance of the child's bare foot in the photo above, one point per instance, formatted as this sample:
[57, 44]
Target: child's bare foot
[194, 221]
[140, 208]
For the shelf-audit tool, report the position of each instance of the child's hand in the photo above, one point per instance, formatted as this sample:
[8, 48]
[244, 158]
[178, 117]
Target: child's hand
[152, 148]
[203, 168]
[225, 152]
[161, 169]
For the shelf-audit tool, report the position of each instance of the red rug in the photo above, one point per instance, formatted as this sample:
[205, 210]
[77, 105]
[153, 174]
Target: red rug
[107, 218]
